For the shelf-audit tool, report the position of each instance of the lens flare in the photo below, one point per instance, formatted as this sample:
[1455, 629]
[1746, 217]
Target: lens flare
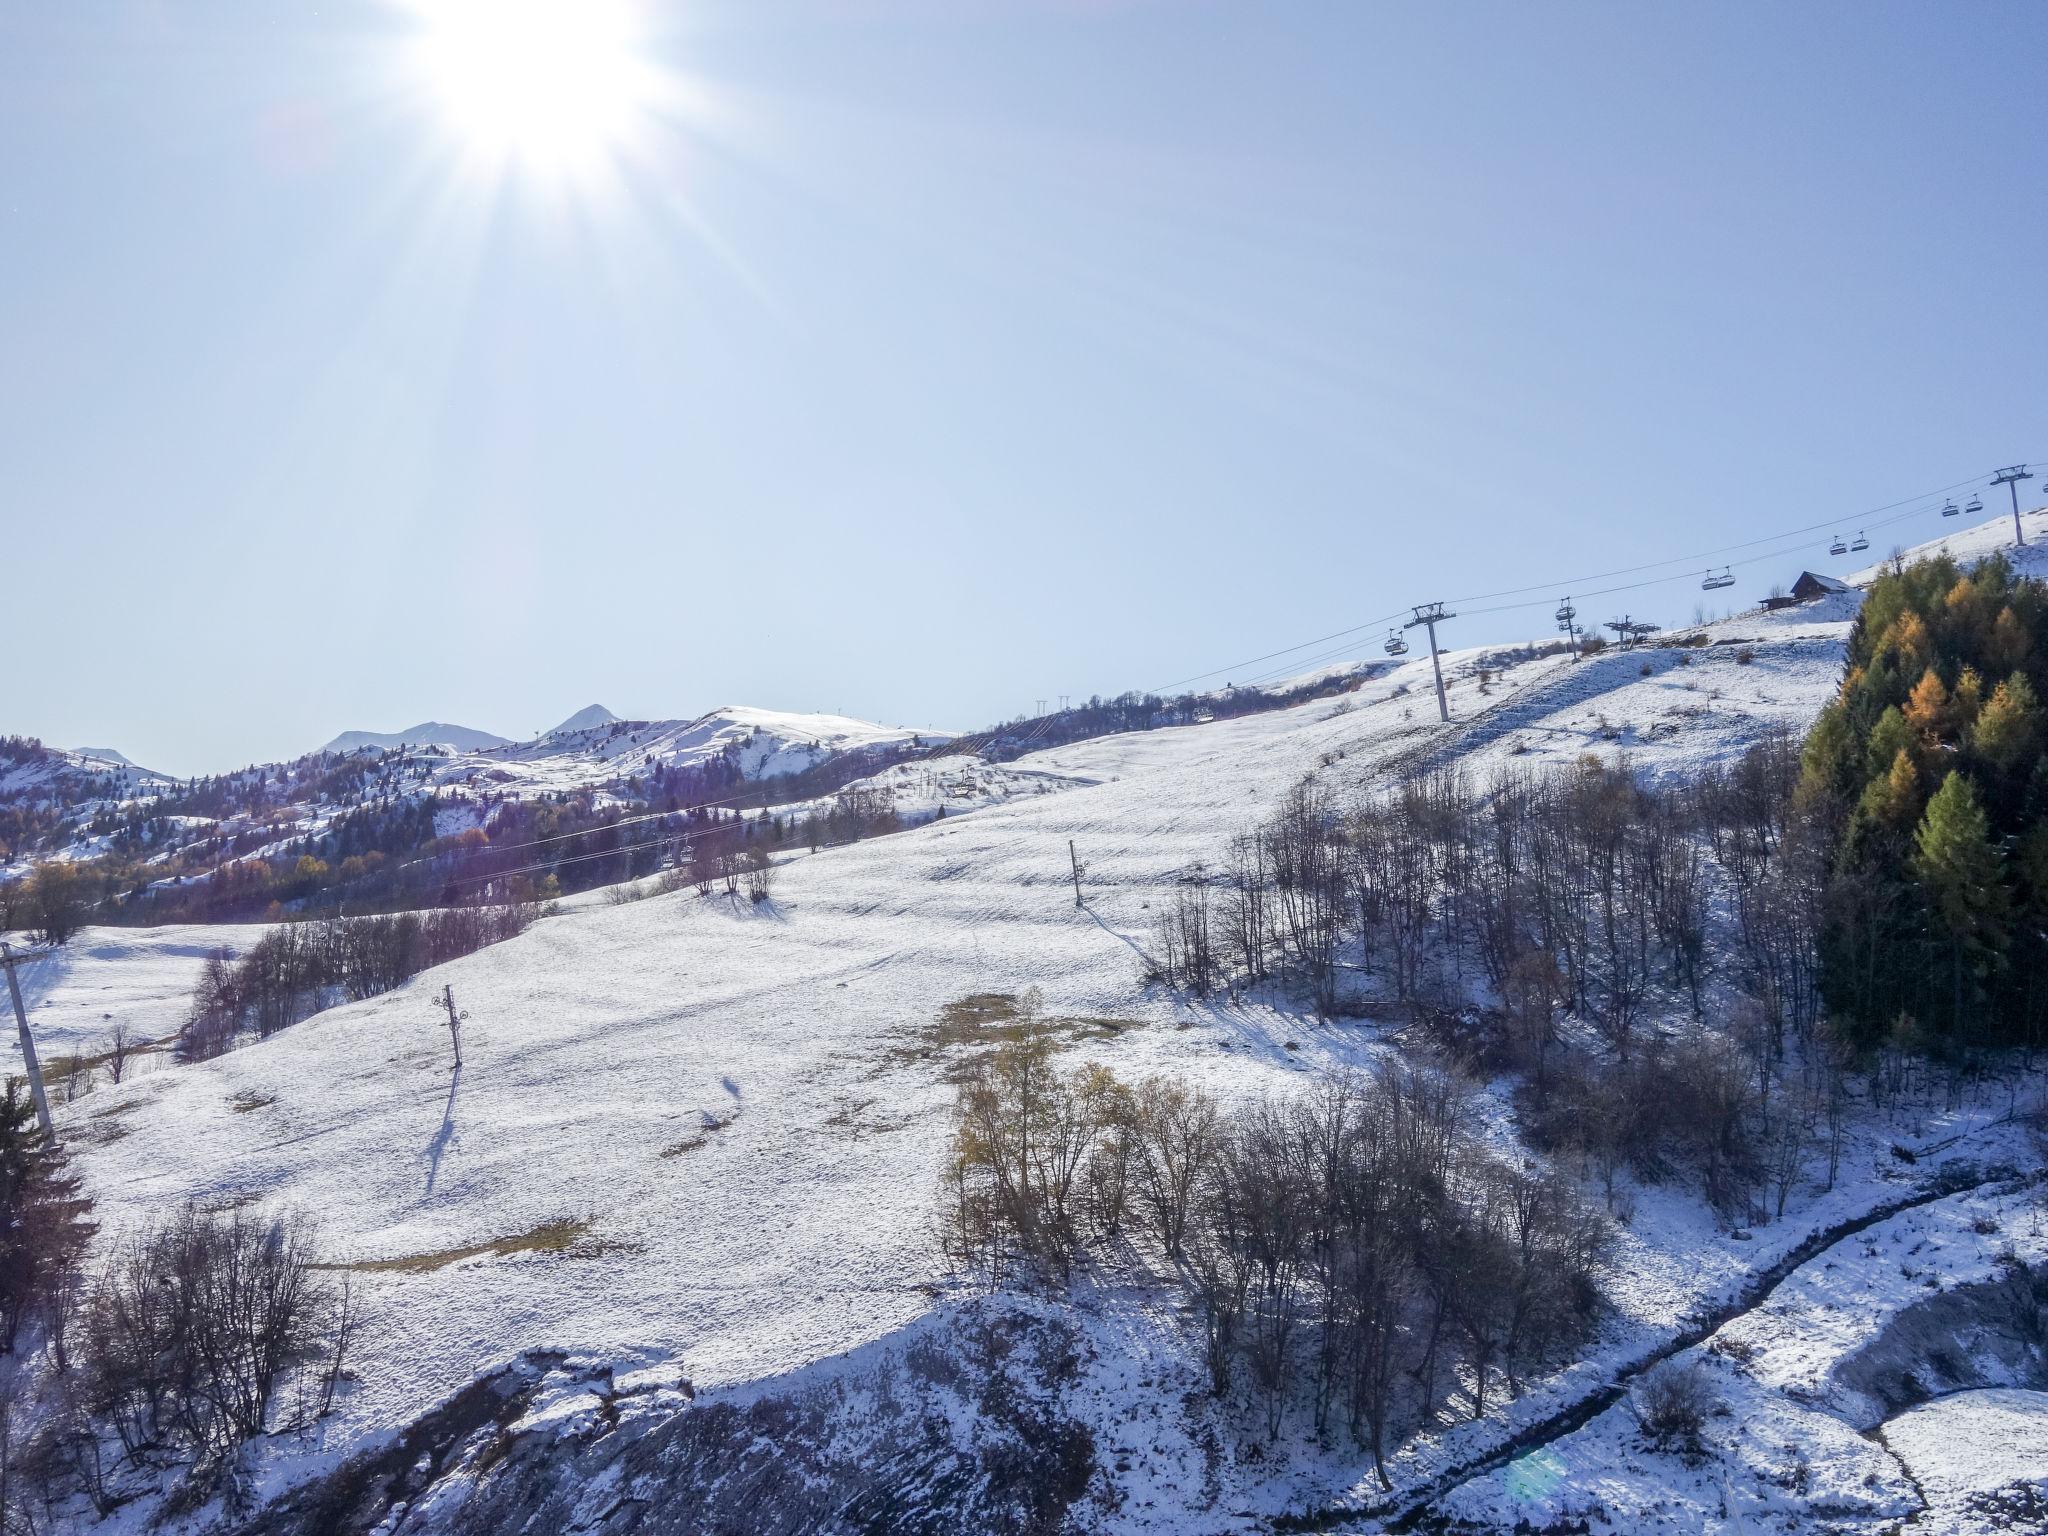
[556, 85]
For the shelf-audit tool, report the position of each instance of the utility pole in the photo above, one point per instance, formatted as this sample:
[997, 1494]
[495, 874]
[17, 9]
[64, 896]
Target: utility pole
[2010, 478]
[454, 1023]
[1431, 615]
[1567, 617]
[8, 961]
[1075, 859]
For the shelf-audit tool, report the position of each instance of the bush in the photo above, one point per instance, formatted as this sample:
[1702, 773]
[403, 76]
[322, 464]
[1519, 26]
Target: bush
[196, 1325]
[57, 901]
[1672, 1403]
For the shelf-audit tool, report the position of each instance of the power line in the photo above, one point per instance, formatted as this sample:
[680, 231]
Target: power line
[1572, 583]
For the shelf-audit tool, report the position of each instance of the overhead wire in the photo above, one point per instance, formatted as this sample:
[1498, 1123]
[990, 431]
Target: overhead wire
[1916, 505]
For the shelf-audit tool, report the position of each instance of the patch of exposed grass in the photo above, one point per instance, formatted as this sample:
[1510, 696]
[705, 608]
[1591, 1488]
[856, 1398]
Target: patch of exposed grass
[248, 1101]
[701, 1137]
[852, 1117]
[558, 1236]
[981, 1020]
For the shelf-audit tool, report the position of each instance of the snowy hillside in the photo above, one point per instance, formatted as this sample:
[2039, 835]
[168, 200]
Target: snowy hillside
[692, 1152]
[588, 718]
[391, 795]
[1990, 533]
[428, 733]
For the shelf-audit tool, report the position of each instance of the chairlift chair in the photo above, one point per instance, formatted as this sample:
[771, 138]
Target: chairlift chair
[1976, 505]
[1714, 583]
[1838, 547]
[1861, 543]
[1952, 510]
[1566, 613]
[1396, 646]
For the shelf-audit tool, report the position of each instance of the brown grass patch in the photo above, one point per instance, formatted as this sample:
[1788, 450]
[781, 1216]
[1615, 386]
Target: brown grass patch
[558, 1236]
[248, 1101]
[701, 1137]
[853, 1118]
[982, 1020]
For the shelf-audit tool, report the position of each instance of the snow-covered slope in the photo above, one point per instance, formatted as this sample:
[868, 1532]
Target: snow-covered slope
[702, 1137]
[588, 718]
[1990, 533]
[85, 806]
[428, 733]
[735, 1109]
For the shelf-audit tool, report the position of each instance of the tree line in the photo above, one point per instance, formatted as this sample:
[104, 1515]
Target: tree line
[1579, 889]
[297, 969]
[1927, 773]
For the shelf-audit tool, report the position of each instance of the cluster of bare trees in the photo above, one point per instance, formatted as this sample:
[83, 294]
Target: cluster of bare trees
[1358, 1247]
[1046, 1161]
[299, 968]
[1715, 1108]
[1355, 1251]
[727, 858]
[201, 1332]
[1579, 888]
[1498, 911]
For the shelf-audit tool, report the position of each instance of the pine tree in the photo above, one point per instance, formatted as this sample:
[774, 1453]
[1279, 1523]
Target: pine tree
[1963, 872]
[1894, 799]
[2009, 728]
[43, 1229]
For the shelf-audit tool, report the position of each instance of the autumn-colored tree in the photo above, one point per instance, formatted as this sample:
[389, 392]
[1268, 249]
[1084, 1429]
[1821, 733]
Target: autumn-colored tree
[1927, 710]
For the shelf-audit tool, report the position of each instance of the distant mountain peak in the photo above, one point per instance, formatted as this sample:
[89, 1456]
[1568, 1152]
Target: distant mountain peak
[588, 718]
[427, 733]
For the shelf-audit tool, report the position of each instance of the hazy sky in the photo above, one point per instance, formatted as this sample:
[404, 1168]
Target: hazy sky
[923, 360]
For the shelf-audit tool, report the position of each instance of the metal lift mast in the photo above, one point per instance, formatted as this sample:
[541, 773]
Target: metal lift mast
[1429, 615]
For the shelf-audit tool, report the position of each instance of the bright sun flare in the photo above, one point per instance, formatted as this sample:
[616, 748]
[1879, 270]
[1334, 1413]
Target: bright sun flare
[554, 84]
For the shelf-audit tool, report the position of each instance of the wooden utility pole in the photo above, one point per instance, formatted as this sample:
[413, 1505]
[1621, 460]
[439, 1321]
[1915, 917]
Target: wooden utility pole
[1431, 615]
[8, 961]
[1075, 859]
[2010, 479]
[454, 1024]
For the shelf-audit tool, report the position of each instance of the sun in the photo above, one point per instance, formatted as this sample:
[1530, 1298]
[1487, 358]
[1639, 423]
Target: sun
[554, 85]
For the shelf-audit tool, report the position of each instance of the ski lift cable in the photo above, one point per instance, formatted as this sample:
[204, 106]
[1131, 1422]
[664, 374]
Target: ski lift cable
[1868, 518]
[1767, 555]
[1284, 651]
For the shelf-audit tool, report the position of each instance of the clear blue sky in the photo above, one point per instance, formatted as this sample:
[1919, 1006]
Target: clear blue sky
[923, 359]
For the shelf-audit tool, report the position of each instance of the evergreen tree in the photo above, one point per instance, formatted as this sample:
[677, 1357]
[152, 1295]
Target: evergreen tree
[2008, 733]
[1956, 860]
[43, 1229]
